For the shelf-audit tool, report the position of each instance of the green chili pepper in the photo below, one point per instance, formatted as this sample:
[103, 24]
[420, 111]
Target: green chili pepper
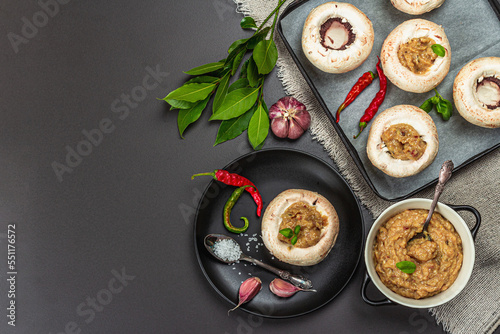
[229, 206]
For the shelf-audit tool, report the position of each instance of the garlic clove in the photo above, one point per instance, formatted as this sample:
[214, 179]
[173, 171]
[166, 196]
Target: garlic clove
[294, 129]
[282, 288]
[303, 119]
[248, 289]
[279, 126]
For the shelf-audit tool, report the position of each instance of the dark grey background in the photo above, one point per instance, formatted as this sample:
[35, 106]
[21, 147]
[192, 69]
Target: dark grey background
[128, 205]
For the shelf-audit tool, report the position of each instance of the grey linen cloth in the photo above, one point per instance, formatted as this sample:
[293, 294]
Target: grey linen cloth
[477, 308]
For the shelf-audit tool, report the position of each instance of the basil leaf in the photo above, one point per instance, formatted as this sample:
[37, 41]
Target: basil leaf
[202, 79]
[294, 240]
[255, 39]
[178, 104]
[191, 115]
[445, 108]
[265, 55]
[287, 232]
[220, 95]
[439, 50]
[252, 73]
[407, 267]
[427, 105]
[248, 23]
[207, 68]
[236, 44]
[233, 127]
[240, 83]
[236, 103]
[191, 92]
[297, 229]
[258, 128]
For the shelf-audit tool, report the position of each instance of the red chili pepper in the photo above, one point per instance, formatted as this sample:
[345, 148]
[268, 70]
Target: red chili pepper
[376, 102]
[236, 180]
[364, 81]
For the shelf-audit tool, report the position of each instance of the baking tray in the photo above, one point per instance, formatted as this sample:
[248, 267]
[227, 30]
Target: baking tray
[473, 32]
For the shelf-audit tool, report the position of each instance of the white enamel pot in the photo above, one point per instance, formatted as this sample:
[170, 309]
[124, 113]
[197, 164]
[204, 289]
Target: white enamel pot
[447, 211]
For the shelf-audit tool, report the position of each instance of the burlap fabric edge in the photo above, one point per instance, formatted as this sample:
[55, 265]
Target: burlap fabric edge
[477, 308]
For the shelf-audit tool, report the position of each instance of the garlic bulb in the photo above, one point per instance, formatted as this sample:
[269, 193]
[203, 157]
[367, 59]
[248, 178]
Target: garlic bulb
[289, 118]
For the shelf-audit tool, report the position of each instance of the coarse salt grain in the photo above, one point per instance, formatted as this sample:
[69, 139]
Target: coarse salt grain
[227, 250]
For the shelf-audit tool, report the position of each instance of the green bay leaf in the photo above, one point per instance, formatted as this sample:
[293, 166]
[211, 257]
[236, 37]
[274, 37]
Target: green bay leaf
[265, 55]
[191, 92]
[207, 68]
[258, 128]
[203, 79]
[178, 104]
[236, 44]
[233, 127]
[255, 39]
[220, 95]
[248, 23]
[252, 73]
[234, 54]
[236, 103]
[237, 61]
[240, 83]
[243, 72]
[191, 115]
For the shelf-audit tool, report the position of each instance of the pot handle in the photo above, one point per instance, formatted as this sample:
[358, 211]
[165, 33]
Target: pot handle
[476, 214]
[369, 301]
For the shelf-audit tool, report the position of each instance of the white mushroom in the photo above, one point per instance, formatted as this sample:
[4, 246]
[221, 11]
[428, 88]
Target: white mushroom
[402, 76]
[337, 37]
[476, 92]
[379, 154]
[285, 252]
[416, 7]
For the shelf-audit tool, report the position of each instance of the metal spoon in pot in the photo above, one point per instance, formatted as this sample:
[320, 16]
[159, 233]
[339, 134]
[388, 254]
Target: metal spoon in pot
[444, 176]
[296, 280]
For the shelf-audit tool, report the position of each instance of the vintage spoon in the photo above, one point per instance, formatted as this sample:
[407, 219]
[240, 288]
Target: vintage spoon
[296, 280]
[444, 176]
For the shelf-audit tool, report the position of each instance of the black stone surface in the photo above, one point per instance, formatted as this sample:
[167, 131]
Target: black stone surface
[96, 179]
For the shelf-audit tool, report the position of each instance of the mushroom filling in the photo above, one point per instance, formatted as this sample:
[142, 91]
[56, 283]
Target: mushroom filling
[403, 142]
[488, 92]
[310, 220]
[417, 54]
[336, 34]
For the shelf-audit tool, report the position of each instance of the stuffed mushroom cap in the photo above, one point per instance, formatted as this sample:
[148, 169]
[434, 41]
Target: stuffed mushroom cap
[402, 76]
[286, 252]
[337, 37]
[380, 155]
[416, 7]
[476, 92]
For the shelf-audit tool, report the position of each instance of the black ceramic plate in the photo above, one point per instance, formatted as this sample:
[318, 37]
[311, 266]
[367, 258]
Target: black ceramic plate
[274, 171]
